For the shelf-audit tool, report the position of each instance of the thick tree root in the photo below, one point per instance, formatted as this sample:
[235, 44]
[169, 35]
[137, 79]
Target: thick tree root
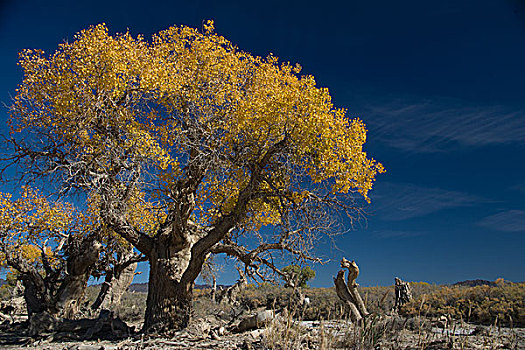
[106, 326]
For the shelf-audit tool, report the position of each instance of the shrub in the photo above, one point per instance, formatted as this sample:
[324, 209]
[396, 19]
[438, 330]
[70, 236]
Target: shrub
[504, 303]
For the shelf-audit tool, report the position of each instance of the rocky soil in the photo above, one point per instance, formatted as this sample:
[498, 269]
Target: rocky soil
[267, 331]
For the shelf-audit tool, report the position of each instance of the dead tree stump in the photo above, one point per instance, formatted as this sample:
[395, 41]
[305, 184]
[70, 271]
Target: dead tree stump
[348, 292]
[403, 293]
[230, 294]
[213, 293]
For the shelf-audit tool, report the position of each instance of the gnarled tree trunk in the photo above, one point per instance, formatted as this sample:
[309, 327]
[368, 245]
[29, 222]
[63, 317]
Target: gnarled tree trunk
[33, 294]
[116, 281]
[79, 266]
[49, 298]
[113, 288]
[60, 298]
[348, 293]
[344, 294]
[170, 298]
[213, 294]
[403, 294]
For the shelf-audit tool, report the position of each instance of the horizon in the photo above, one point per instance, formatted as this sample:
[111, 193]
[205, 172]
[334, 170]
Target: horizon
[207, 285]
[439, 86]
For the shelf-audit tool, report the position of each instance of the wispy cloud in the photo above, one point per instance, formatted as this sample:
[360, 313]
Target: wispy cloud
[398, 202]
[519, 187]
[396, 234]
[438, 125]
[507, 221]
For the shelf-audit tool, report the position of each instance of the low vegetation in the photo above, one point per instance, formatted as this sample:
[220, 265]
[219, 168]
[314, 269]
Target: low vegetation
[438, 316]
[503, 304]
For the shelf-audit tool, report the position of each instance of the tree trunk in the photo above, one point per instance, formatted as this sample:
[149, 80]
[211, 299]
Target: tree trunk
[214, 289]
[357, 299]
[114, 287]
[346, 297]
[70, 296]
[170, 300]
[348, 293]
[34, 300]
[79, 266]
[50, 297]
[403, 294]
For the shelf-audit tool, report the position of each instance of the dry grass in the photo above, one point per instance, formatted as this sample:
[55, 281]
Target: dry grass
[503, 304]
[327, 327]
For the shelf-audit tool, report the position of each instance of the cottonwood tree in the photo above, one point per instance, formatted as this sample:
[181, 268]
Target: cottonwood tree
[242, 155]
[50, 247]
[53, 249]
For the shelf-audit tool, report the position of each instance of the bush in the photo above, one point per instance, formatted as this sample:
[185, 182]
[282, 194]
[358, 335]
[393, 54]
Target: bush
[504, 303]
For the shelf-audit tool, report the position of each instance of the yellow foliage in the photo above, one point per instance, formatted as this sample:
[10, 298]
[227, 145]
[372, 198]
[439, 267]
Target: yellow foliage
[32, 227]
[148, 93]
[32, 217]
[141, 213]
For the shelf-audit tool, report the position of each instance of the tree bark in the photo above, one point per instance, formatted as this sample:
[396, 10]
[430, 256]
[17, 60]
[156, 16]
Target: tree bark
[72, 289]
[35, 301]
[116, 282]
[170, 298]
[348, 293]
[113, 288]
[403, 294]
[344, 294]
[213, 294]
[358, 300]
[52, 295]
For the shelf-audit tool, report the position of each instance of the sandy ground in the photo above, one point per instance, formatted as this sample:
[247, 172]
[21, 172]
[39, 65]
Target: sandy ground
[298, 335]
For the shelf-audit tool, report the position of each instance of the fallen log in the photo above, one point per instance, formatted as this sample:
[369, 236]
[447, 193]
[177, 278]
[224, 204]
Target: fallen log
[260, 319]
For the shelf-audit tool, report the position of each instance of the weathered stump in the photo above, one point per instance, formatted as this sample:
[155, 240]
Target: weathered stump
[403, 293]
[348, 292]
[213, 293]
[230, 294]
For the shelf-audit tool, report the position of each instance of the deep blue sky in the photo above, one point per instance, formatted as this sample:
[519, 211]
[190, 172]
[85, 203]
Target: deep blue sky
[440, 84]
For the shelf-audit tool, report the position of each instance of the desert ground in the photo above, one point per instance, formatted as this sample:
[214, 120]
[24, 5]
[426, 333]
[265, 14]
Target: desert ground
[271, 317]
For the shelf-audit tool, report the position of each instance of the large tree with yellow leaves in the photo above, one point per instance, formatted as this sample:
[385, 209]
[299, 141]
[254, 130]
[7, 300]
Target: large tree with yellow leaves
[229, 147]
[51, 248]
